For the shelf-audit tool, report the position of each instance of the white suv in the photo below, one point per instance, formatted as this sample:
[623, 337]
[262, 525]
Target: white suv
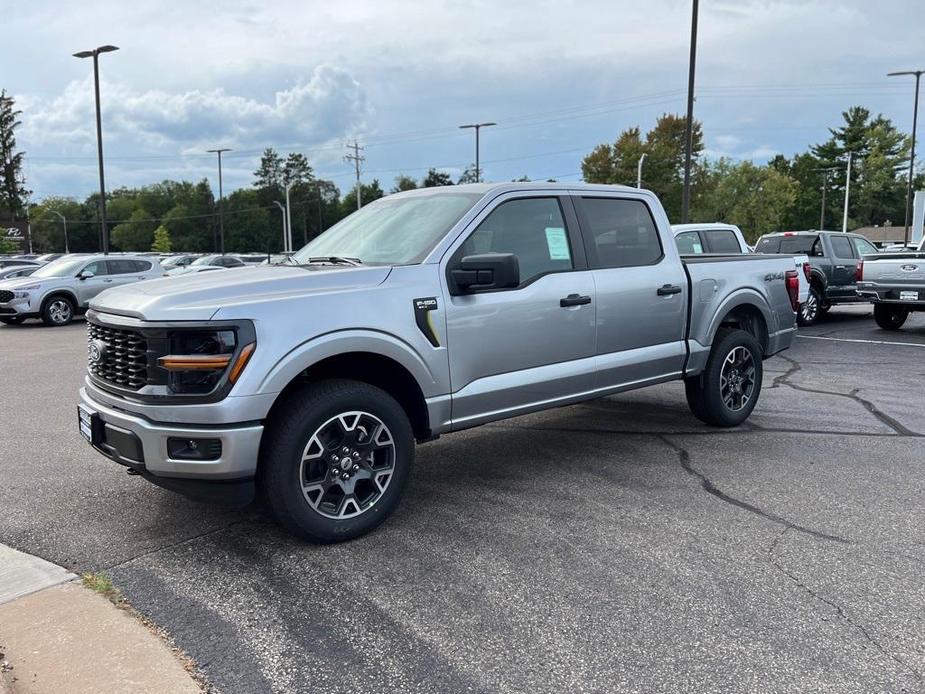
[58, 291]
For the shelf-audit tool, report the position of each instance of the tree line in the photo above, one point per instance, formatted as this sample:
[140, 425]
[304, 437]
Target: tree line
[786, 193]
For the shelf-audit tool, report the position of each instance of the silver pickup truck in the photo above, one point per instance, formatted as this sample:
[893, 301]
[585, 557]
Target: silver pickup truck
[895, 284]
[424, 313]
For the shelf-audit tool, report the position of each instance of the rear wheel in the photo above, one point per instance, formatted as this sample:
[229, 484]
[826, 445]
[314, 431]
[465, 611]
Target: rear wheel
[57, 311]
[11, 320]
[890, 317]
[810, 309]
[725, 394]
[336, 460]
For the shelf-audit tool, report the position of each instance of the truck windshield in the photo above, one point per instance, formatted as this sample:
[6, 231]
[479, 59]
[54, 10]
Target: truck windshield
[391, 231]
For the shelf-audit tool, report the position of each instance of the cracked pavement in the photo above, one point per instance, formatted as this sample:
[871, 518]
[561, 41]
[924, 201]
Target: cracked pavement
[617, 545]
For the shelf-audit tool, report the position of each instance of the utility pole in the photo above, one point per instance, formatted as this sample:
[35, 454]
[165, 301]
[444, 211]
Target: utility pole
[642, 158]
[356, 158]
[289, 218]
[825, 183]
[477, 127]
[915, 117]
[689, 134]
[844, 223]
[221, 211]
[63, 222]
[95, 54]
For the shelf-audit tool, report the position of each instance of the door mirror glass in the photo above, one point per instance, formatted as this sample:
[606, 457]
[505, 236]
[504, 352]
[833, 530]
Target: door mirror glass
[485, 272]
[85, 274]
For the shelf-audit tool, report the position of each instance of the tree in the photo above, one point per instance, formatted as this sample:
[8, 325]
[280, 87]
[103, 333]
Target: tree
[134, 234]
[296, 170]
[8, 245]
[161, 240]
[269, 173]
[403, 182]
[469, 175]
[436, 178]
[369, 192]
[13, 192]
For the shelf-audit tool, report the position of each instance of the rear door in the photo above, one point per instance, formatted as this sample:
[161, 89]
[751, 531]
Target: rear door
[513, 350]
[842, 284]
[642, 291]
[123, 271]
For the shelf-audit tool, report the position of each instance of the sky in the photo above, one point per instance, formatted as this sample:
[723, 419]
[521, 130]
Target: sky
[558, 77]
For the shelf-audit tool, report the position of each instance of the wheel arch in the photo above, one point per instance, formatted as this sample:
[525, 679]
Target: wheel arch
[54, 293]
[746, 311]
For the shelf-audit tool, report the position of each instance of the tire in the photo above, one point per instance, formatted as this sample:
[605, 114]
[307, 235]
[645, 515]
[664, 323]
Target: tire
[890, 317]
[811, 309]
[57, 311]
[713, 396]
[304, 466]
[11, 320]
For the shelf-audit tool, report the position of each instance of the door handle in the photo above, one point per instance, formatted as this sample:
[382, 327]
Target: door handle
[839, 267]
[105, 281]
[574, 300]
[668, 290]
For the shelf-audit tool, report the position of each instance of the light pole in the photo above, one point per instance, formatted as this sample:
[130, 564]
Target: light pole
[221, 210]
[915, 116]
[825, 182]
[689, 125]
[844, 223]
[64, 223]
[95, 54]
[289, 218]
[642, 158]
[282, 209]
[477, 127]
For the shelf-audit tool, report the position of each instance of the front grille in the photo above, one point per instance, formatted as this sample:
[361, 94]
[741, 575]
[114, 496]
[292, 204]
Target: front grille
[6, 296]
[123, 358]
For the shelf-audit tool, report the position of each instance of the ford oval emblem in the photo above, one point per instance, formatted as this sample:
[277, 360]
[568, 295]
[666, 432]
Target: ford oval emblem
[909, 268]
[96, 350]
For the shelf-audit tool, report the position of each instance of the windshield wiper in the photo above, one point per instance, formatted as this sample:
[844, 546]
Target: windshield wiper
[335, 260]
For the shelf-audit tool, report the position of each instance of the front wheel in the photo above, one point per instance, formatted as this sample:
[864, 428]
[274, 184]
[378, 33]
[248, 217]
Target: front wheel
[57, 311]
[336, 459]
[890, 317]
[725, 394]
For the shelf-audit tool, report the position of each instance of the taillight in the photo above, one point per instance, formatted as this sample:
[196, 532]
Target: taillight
[808, 271]
[793, 289]
[859, 273]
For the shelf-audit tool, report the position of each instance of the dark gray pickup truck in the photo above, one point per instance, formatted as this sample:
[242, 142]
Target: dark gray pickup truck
[835, 259]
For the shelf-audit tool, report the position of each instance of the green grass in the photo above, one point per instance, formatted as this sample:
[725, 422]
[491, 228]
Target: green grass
[102, 584]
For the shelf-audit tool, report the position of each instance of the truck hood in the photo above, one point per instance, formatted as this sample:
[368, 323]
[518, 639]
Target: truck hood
[198, 296]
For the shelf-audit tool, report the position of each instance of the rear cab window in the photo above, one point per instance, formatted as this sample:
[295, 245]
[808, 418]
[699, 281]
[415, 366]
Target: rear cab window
[722, 241]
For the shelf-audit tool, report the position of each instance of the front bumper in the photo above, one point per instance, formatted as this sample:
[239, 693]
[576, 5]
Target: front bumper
[141, 445]
[19, 308]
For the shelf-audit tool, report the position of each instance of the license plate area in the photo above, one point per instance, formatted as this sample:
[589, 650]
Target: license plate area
[908, 296]
[89, 423]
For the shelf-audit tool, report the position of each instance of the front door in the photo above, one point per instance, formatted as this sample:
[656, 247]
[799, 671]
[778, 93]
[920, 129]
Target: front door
[641, 292]
[519, 349]
[844, 268]
[91, 286]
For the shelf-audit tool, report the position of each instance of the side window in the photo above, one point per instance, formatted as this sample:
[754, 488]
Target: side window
[142, 265]
[841, 247]
[862, 246]
[722, 241]
[689, 243]
[768, 245]
[121, 267]
[622, 232]
[97, 267]
[533, 229]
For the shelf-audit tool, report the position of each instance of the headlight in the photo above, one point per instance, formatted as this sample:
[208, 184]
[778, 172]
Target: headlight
[23, 292]
[196, 361]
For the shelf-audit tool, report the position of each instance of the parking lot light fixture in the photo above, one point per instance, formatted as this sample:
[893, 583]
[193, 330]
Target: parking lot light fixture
[477, 127]
[221, 211]
[283, 210]
[95, 54]
[64, 224]
[915, 117]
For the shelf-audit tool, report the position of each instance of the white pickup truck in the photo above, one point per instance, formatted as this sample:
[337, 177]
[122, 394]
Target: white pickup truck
[718, 237]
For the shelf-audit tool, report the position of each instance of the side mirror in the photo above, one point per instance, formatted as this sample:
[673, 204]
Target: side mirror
[484, 272]
[85, 275]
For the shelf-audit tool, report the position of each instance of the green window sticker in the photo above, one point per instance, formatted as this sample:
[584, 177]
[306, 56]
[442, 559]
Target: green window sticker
[698, 248]
[557, 243]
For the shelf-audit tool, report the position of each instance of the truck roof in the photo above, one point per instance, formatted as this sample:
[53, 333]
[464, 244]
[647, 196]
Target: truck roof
[514, 186]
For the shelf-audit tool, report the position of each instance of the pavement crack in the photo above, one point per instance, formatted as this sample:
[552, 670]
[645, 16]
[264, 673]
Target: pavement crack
[839, 610]
[710, 488]
[896, 426]
[178, 543]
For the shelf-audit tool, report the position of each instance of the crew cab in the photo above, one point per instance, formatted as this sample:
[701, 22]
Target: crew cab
[833, 256]
[718, 237]
[63, 288]
[895, 284]
[424, 313]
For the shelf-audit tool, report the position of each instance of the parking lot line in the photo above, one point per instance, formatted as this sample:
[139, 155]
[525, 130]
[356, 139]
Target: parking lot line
[867, 342]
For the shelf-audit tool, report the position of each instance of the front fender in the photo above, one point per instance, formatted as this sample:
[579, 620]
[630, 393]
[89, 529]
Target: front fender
[341, 342]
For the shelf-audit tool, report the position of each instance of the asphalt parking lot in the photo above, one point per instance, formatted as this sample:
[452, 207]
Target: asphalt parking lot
[613, 546]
